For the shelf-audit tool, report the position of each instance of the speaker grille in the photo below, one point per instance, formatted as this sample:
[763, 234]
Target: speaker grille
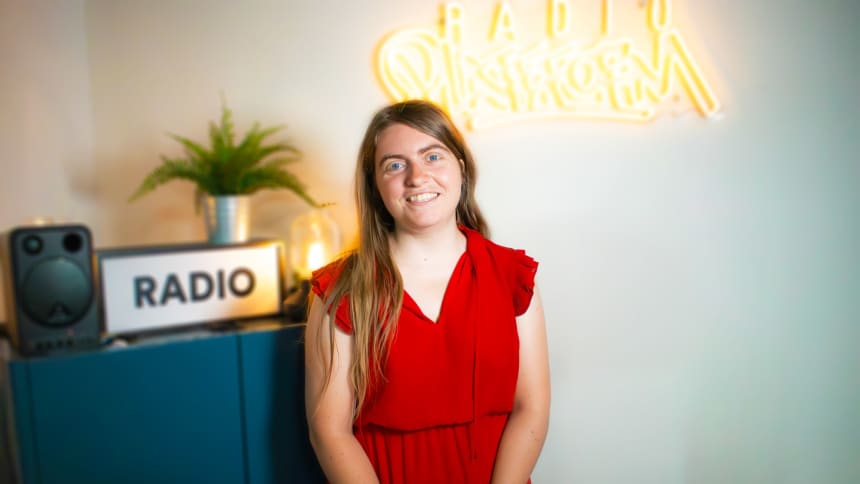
[53, 298]
[56, 292]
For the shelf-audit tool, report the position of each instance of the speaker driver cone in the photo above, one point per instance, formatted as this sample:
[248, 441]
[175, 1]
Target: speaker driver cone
[56, 292]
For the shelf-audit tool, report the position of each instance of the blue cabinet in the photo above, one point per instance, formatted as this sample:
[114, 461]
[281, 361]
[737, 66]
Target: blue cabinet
[214, 408]
[276, 431]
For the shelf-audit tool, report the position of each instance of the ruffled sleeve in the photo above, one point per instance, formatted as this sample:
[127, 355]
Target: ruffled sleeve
[322, 281]
[514, 268]
[522, 282]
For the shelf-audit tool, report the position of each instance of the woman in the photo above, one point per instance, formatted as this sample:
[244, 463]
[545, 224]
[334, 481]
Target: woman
[426, 353]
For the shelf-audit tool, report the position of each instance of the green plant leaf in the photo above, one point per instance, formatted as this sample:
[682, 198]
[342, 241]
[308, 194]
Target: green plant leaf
[254, 138]
[171, 169]
[225, 168]
[221, 136]
[270, 176]
[195, 151]
[281, 161]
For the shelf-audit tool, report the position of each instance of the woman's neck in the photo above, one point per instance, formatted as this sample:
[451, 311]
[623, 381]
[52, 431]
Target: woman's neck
[433, 246]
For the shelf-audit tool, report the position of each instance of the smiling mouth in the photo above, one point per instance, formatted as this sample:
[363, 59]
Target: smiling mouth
[422, 197]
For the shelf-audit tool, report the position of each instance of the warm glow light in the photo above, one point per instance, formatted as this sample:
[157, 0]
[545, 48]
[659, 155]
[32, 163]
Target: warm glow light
[314, 242]
[316, 256]
[558, 19]
[313, 256]
[611, 79]
[503, 24]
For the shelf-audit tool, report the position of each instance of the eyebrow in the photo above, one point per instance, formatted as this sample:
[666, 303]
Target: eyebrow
[430, 147]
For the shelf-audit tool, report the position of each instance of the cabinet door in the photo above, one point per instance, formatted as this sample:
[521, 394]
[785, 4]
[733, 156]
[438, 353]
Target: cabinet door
[151, 413]
[276, 428]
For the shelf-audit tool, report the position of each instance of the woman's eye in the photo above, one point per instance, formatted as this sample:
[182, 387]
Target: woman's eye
[433, 157]
[395, 165]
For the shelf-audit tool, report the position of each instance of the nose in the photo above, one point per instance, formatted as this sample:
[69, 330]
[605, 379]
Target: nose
[416, 175]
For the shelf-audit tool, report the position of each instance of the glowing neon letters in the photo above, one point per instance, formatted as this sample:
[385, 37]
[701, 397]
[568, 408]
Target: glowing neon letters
[611, 79]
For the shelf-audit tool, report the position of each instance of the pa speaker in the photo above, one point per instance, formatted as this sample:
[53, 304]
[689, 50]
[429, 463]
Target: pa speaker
[51, 300]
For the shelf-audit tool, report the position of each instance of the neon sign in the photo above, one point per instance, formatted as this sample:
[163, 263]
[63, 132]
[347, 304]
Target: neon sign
[611, 79]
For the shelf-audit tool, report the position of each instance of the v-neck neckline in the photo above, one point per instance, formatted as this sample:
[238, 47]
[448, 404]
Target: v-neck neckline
[445, 296]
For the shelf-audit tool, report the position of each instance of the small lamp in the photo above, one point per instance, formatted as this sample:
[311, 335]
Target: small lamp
[314, 242]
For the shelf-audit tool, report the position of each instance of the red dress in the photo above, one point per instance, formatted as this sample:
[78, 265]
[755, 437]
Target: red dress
[449, 386]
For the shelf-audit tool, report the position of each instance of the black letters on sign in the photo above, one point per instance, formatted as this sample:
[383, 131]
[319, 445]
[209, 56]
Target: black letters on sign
[196, 294]
[144, 286]
[249, 283]
[172, 289]
[240, 283]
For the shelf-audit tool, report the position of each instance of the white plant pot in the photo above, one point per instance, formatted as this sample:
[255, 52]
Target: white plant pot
[227, 218]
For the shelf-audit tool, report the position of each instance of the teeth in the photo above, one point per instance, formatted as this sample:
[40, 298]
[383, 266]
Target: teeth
[423, 197]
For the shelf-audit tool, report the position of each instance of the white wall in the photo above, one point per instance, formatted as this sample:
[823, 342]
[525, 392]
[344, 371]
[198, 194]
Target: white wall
[700, 277]
[46, 164]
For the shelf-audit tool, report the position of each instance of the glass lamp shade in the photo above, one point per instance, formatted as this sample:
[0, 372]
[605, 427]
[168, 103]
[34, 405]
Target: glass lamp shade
[314, 242]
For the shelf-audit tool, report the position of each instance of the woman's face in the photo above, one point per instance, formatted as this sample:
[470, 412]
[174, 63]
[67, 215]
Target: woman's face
[418, 178]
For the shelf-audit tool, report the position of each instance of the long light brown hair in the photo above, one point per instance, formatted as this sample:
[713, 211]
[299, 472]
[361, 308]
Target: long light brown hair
[369, 276]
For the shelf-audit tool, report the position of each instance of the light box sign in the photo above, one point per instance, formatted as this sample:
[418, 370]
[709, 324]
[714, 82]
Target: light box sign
[154, 288]
[612, 77]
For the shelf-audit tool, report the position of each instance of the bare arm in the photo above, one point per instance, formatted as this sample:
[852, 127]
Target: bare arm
[329, 410]
[527, 425]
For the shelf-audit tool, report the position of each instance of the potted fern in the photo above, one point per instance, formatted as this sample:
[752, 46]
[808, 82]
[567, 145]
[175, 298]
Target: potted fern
[227, 172]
